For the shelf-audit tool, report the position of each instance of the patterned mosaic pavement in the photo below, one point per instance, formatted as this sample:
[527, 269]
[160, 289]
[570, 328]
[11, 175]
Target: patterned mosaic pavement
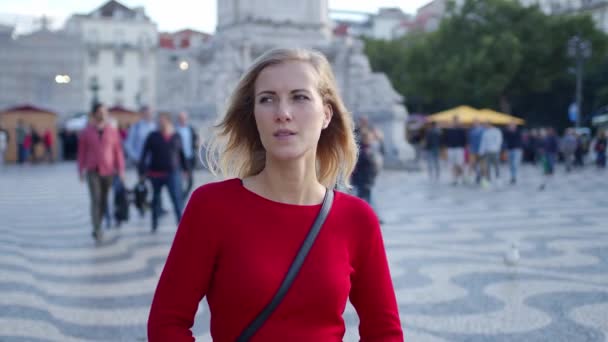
[446, 246]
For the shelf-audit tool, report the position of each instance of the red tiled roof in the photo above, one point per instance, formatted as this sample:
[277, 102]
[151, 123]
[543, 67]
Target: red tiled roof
[180, 39]
[165, 41]
[27, 108]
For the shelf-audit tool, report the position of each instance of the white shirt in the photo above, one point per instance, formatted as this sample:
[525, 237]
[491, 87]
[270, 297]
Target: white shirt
[185, 133]
[134, 144]
[491, 141]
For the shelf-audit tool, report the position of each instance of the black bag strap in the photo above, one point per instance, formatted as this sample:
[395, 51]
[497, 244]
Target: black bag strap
[293, 271]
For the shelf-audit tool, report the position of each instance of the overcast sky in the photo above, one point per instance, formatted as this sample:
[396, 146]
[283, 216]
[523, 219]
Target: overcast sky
[170, 15]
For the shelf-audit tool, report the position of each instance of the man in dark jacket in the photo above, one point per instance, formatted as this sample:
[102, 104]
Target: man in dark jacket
[432, 146]
[455, 139]
[513, 144]
[162, 161]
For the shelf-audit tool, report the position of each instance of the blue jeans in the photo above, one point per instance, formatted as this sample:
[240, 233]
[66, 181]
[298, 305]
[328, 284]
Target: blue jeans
[514, 161]
[173, 181]
[22, 154]
[432, 158]
[549, 163]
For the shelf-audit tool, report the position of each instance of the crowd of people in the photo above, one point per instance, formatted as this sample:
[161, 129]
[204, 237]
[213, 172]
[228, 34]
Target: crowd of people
[474, 154]
[162, 152]
[32, 145]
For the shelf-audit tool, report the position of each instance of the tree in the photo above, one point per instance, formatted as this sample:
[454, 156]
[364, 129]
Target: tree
[492, 53]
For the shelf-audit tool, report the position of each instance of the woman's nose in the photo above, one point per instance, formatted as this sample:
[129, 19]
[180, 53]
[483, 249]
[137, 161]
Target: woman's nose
[283, 111]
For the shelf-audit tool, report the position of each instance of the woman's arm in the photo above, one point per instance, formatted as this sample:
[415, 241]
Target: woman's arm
[187, 273]
[372, 293]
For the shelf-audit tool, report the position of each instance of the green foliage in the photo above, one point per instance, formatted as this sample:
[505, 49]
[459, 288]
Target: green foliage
[497, 54]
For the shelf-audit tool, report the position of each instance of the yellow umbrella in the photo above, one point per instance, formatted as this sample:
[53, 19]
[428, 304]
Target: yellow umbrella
[466, 115]
[498, 118]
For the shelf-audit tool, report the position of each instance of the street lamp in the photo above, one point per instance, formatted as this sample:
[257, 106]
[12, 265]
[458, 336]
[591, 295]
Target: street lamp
[579, 49]
[62, 79]
[94, 86]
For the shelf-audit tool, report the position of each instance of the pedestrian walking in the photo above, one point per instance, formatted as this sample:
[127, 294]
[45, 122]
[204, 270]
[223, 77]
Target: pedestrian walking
[137, 135]
[4, 138]
[600, 150]
[190, 146]
[474, 141]
[548, 150]
[513, 143]
[432, 146]
[21, 135]
[162, 162]
[49, 144]
[567, 146]
[455, 139]
[489, 149]
[100, 158]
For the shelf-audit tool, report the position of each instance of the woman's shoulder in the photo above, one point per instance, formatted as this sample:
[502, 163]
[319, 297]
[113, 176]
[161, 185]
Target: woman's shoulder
[354, 207]
[217, 190]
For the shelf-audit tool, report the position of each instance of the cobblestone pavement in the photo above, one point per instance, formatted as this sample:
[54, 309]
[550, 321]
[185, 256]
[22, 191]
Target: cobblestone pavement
[446, 246]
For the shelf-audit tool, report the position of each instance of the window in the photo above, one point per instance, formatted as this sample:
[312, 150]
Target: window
[118, 85]
[93, 36]
[119, 37]
[119, 57]
[93, 57]
[143, 58]
[143, 40]
[143, 84]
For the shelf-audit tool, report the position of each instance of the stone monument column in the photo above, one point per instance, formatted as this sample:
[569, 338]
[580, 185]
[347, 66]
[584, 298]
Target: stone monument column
[247, 28]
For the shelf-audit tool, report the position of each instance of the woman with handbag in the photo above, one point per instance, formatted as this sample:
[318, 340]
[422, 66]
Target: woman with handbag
[284, 263]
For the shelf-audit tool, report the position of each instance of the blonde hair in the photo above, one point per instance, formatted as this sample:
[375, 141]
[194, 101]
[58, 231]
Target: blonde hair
[235, 149]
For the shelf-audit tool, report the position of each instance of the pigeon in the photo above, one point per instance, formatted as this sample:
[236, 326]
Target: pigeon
[512, 256]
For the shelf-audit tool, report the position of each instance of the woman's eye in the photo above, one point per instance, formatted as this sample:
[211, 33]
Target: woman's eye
[265, 99]
[300, 97]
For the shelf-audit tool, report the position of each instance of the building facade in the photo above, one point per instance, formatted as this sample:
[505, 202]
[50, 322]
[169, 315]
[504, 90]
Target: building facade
[43, 69]
[121, 49]
[387, 22]
[178, 72]
[597, 9]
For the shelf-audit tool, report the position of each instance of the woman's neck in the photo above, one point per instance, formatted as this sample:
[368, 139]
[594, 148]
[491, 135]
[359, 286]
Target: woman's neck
[288, 182]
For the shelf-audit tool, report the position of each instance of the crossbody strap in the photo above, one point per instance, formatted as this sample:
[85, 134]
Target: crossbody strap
[293, 271]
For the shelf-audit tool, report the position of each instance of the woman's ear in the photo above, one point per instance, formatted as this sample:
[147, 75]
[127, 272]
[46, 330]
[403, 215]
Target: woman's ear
[328, 113]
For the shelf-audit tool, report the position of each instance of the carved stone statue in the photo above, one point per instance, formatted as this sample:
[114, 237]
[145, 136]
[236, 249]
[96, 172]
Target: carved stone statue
[248, 28]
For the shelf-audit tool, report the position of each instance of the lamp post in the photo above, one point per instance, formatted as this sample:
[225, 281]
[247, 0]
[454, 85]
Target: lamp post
[579, 49]
[94, 86]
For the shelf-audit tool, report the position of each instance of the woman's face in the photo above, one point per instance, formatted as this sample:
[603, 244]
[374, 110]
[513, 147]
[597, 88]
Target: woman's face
[289, 112]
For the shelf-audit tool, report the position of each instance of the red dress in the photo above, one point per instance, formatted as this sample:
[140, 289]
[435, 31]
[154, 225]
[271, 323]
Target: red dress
[234, 247]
